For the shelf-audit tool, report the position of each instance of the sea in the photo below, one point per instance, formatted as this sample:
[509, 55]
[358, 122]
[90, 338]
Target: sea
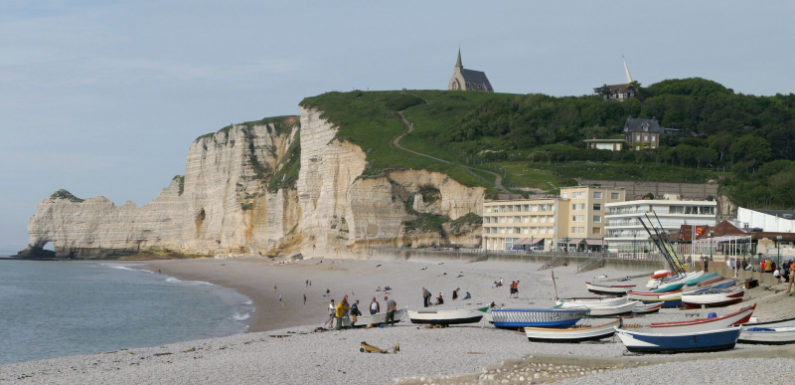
[59, 308]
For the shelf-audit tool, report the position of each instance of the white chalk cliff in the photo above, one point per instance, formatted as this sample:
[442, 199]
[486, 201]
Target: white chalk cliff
[239, 196]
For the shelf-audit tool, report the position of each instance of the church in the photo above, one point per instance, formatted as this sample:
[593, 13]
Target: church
[468, 80]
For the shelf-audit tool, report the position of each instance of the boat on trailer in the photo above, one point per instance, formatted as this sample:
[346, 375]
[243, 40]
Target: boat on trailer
[598, 288]
[736, 318]
[545, 318]
[654, 341]
[445, 317]
[718, 298]
[576, 333]
[777, 332]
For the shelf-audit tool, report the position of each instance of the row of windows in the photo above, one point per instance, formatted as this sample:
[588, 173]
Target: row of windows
[659, 209]
[519, 208]
[596, 195]
[581, 230]
[519, 230]
[581, 218]
[522, 219]
[581, 206]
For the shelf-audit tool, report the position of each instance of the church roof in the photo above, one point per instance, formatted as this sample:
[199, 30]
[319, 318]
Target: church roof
[476, 77]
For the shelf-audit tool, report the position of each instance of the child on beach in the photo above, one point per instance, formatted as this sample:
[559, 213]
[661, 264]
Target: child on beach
[375, 307]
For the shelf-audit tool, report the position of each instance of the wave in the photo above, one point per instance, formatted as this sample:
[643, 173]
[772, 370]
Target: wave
[126, 267]
[241, 317]
[191, 283]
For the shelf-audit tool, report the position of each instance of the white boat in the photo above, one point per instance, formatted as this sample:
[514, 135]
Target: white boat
[672, 281]
[601, 308]
[375, 319]
[599, 288]
[646, 308]
[593, 300]
[737, 318]
[576, 333]
[445, 317]
[771, 333]
[714, 298]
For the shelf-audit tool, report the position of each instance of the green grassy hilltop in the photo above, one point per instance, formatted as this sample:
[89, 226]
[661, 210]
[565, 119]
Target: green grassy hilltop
[747, 142]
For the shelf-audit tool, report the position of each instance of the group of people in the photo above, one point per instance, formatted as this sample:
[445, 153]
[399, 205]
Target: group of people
[785, 273]
[343, 310]
[426, 297]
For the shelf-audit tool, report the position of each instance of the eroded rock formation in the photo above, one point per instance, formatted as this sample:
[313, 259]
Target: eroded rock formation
[277, 187]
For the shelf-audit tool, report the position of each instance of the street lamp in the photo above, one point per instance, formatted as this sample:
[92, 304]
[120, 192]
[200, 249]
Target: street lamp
[778, 246]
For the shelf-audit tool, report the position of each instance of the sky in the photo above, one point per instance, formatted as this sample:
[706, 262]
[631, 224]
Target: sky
[104, 97]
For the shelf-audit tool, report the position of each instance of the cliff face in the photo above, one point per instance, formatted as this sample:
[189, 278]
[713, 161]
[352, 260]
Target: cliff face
[237, 198]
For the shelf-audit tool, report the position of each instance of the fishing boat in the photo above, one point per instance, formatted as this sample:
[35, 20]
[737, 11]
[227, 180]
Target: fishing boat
[545, 318]
[599, 288]
[445, 317]
[736, 318]
[646, 308]
[654, 341]
[710, 281]
[778, 332]
[714, 298]
[599, 307]
[576, 333]
[376, 319]
[696, 280]
[669, 300]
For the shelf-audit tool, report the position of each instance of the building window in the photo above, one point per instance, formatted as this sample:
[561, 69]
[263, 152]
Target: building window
[565, 195]
[596, 230]
[597, 195]
[597, 219]
[614, 195]
[597, 206]
[653, 138]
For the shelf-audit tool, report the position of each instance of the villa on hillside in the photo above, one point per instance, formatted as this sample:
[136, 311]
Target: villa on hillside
[642, 134]
[468, 80]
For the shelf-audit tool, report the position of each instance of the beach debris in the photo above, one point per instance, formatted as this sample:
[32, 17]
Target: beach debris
[191, 350]
[367, 348]
[162, 354]
[278, 335]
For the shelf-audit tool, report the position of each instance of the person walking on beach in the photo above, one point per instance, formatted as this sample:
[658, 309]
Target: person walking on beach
[455, 293]
[355, 313]
[331, 309]
[304, 298]
[375, 307]
[391, 307]
[426, 297]
[341, 311]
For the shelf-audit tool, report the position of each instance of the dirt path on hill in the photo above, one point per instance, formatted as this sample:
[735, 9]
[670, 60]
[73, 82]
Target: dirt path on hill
[410, 127]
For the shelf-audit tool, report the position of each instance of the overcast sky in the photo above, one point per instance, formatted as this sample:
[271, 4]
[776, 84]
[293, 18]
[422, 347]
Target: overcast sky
[104, 97]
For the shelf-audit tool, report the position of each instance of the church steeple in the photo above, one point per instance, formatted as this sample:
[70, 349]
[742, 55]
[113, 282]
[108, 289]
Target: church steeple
[458, 62]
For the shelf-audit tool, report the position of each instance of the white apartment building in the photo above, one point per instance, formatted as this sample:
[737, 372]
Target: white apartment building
[523, 224]
[625, 234]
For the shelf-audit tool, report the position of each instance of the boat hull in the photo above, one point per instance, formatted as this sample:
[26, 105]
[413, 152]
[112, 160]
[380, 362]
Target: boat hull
[546, 318]
[713, 299]
[642, 308]
[696, 280]
[699, 325]
[768, 336]
[377, 319]
[704, 341]
[445, 317]
[573, 334]
[618, 290]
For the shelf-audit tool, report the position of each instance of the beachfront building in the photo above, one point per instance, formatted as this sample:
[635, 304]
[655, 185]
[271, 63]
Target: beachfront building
[767, 220]
[468, 80]
[523, 224]
[627, 237]
[585, 228]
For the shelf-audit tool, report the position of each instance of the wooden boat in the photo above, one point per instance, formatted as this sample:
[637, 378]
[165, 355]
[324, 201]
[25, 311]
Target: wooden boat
[576, 333]
[710, 281]
[714, 298]
[599, 288]
[643, 308]
[545, 318]
[696, 280]
[736, 318]
[445, 317]
[669, 300]
[644, 341]
[599, 308]
[778, 332]
[375, 319]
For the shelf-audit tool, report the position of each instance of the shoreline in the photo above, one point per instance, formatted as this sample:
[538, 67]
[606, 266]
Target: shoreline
[284, 345]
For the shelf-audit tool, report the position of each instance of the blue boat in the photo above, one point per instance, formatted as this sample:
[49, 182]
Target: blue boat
[693, 281]
[669, 287]
[660, 342]
[540, 318]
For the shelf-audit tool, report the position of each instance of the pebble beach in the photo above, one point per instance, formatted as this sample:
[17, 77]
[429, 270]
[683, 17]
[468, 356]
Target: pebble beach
[286, 343]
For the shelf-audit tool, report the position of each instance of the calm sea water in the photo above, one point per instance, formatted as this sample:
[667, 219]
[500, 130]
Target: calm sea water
[52, 309]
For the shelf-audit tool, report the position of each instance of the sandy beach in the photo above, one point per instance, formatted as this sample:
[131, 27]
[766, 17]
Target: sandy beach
[284, 344]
